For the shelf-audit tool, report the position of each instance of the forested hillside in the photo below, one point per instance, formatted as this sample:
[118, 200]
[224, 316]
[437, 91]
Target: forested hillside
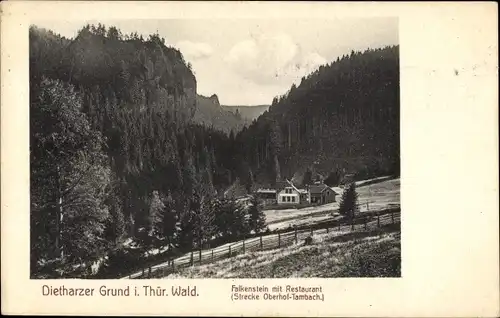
[115, 154]
[343, 118]
[210, 113]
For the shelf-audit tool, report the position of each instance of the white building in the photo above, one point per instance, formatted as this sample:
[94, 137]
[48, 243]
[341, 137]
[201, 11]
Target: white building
[287, 193]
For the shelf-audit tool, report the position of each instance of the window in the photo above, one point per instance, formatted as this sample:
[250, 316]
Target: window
[288, 199]
[283, 199]
[293, 199]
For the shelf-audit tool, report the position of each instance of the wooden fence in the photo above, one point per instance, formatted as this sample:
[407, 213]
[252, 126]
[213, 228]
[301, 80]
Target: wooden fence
[367, 221]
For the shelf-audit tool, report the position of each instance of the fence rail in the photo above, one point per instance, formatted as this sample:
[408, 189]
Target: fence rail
[365, 222]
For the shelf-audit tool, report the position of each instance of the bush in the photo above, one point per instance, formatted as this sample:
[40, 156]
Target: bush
[121, 261]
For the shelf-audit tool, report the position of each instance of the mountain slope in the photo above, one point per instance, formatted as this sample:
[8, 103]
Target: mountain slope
[249, 113]
[210, 113]
[343, 117]
[108, 68]
[114, 153]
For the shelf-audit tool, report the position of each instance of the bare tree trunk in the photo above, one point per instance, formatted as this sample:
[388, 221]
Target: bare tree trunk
[277, 167]
[59, 215]
[257, 156]
[289, 136]
[267, 149]
[298, 130]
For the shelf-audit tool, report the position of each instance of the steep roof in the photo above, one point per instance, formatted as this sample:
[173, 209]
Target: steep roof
[317, 188]
[266, 191]
[337, 190]
[294, 187]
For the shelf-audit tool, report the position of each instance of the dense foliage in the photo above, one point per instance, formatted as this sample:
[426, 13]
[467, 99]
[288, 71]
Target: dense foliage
[119, 168]
[114, 153]
[343, 117]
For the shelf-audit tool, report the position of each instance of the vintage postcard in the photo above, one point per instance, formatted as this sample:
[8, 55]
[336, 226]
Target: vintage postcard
[250, 158]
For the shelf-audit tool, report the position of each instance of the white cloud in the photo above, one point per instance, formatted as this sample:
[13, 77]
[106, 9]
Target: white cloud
[272, 59]
[195, 50]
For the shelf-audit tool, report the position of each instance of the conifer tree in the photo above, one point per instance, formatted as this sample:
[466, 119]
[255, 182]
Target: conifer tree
[257, 218]
[349, 201]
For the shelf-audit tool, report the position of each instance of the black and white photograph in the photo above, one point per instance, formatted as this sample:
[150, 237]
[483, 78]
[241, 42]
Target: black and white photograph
[215, 148]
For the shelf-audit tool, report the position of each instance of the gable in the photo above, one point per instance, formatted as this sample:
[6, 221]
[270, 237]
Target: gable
[291, 190]
[317, 189]
[328, 191]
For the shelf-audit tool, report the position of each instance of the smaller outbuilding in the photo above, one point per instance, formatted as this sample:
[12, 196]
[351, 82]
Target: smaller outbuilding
[322, 194]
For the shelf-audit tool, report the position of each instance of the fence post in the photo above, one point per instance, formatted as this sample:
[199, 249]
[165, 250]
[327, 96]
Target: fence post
[173, 265]
[243, 246]
[149, 272]
[327, 229]
[279, 240]
[352, 223]
[192, 259]
[229, 250]
[143, 271]
[392, 216]
[339, 224]
[296, 240]
[212, 255]
[199, 254]
[261, 242]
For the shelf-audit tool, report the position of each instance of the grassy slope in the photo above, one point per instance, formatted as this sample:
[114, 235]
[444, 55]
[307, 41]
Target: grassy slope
[372, 254]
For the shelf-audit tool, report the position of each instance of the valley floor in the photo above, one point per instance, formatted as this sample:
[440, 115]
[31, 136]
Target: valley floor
[380, 196]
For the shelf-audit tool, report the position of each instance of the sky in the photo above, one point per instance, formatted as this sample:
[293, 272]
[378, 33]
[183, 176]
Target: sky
[250, 61]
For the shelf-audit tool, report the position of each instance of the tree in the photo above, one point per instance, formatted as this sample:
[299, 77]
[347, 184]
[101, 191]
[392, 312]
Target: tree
[114, 33]
[204, 218]
[156, 211]
[231, 220]
[115, 227]
[186, 224]
[349, 201]
[333, 178]
[248, 181]
[70, 177]
[276, 145]
[257, 218]
[307, 180]
[169, 219]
